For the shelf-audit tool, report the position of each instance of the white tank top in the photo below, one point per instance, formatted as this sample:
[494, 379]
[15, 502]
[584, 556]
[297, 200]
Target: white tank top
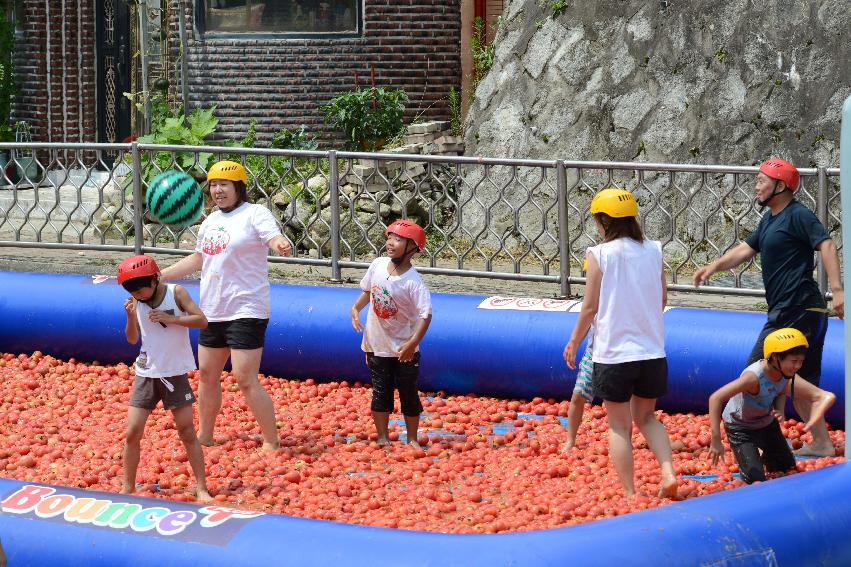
[165, 351]
[629, 325]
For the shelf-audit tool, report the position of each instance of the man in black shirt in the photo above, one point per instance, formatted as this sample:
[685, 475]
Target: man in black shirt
[785, 239]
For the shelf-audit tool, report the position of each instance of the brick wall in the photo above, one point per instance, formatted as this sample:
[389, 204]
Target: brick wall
[57, 96]
[413, 44]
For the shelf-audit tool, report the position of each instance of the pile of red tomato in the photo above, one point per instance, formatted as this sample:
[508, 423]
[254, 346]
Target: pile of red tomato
[62, 422]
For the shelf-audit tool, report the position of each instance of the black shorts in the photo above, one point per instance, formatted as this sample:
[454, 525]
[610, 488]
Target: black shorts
[813, 324]
[746, 445]
[388, 373]
[147, 392]
[245, 334]
[619, 382]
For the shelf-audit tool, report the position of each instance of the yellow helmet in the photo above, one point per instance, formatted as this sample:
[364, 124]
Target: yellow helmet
[782, 340]
[228, 170]
[617, 203]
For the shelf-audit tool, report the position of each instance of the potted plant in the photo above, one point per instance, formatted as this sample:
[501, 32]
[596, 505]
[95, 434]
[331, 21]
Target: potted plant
[368, 117]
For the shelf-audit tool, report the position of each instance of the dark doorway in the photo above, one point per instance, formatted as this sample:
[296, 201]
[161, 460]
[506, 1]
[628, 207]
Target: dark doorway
[113, 51]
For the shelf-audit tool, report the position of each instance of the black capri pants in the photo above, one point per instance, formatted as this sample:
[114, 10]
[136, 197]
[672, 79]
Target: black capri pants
[389, 374]
[747, 443]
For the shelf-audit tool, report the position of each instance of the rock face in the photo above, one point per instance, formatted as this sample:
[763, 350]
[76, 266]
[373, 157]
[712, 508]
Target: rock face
[682, 81]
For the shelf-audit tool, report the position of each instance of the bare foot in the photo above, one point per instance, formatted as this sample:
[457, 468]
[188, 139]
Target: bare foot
[382, 441]
[568, 445]
[269, 447]
[669, 489]
[202, 495]
[206, 441]
[813, 450]
[413, 443]
[126, 489]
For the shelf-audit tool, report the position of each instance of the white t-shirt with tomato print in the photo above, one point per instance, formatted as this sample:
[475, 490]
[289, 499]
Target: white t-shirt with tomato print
[396, 304]
[235, 269]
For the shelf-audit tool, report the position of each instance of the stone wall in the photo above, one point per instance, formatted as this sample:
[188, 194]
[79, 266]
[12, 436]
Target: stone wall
[686, 82]
[728, 83]
[373, 193]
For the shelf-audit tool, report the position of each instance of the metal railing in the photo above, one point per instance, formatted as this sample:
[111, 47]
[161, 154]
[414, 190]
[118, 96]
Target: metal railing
[494, 218]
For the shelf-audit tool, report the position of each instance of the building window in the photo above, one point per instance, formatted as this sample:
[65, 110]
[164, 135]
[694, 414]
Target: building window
[298, 17]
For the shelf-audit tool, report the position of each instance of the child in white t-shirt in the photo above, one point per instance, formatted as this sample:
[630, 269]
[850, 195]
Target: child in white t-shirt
[397, 322]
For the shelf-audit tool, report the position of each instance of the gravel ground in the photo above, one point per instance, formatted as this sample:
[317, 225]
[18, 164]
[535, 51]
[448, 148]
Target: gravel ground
[96, 262]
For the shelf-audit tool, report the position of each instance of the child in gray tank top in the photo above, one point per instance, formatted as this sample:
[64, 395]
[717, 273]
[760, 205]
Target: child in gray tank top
[753, 405]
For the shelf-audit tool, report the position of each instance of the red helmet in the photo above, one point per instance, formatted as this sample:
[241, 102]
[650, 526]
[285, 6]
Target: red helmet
[137, 267]
[408, 229]
[781, 170]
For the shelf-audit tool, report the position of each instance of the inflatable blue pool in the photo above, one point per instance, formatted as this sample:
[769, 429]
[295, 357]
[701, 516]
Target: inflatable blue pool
[488, 346]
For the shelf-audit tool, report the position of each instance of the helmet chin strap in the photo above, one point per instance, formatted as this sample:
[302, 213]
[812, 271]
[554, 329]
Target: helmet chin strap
[154, 294]
[792, 377]
[397, 260]
[774, 193]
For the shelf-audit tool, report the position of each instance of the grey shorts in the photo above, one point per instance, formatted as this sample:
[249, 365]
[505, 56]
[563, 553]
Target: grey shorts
[147, 392]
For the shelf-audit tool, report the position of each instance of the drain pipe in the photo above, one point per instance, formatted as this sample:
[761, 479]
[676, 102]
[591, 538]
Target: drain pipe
[80, 71]
[184, 66]
[143, 61]
[64, 77]
[48, 71]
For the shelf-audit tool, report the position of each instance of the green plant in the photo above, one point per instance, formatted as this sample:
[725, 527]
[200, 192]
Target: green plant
[7, 133]
[285, 139]
[180, 130]
[455, 112]
[481, 50]
[367, 116]
[268, 175]
[8, 89]
[720, 54]
[558, 7]
[159, 108]
[397, 139]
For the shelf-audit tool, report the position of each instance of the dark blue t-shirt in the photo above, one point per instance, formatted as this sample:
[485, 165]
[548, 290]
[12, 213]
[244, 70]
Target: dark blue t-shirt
[786, 242]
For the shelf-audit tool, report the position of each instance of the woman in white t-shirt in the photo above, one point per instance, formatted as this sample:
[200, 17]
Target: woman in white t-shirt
[231, 253]
[625, 296]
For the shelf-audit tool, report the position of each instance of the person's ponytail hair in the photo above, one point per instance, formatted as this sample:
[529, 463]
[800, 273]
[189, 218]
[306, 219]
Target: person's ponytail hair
[622, 227]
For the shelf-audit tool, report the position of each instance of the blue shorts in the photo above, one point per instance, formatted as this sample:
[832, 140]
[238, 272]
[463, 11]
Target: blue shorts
[583, 386]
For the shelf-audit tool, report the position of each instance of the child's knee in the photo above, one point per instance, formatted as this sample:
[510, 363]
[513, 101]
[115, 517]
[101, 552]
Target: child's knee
[382, 395]
[752, 472]
[187, 434]
[133, 434]
[620, 427]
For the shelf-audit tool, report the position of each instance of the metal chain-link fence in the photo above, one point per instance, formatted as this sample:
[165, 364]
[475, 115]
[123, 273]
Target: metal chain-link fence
[498, 218]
